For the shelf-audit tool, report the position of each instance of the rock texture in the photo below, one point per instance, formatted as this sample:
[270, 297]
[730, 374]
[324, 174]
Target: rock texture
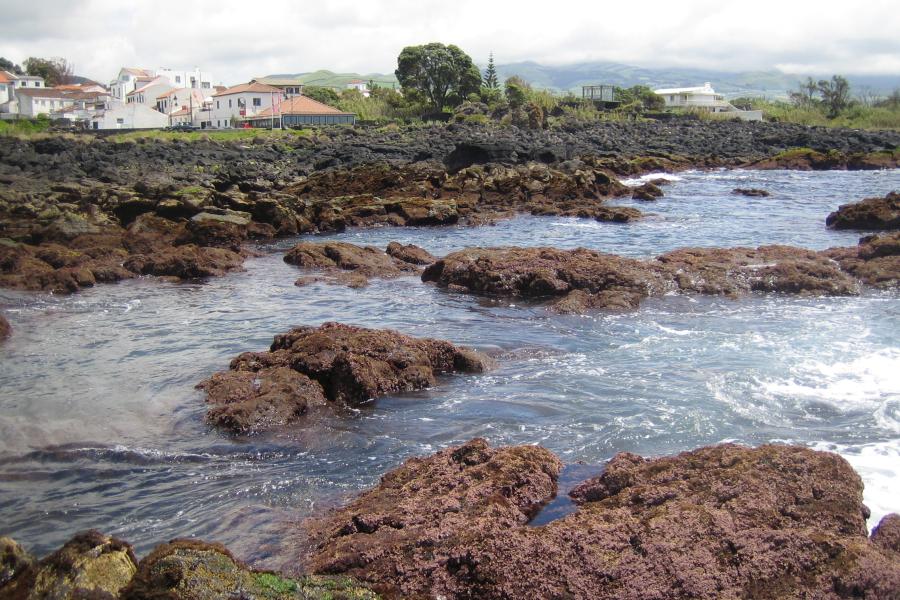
[90, 565]
[871, 214]
[875, 261]
[13, 561]
[351, 264]
[751, 192]
[577, 280]
[195, 570]
[331, 365]
[5, 328]
[719, 522]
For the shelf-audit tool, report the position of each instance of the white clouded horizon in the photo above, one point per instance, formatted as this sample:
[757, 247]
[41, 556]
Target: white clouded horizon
[236, 40]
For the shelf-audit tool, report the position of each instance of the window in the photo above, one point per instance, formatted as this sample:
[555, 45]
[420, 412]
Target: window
[178, 79]
[205, 85]
[217, 105]
[120, 121]
[257, 102]
[229, 103]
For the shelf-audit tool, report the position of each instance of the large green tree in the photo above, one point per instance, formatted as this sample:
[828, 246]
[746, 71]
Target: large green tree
[55, 71]
[835, 94]
[445, 75]
[8, 65]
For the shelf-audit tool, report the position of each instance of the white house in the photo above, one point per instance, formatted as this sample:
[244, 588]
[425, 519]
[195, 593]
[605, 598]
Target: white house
[10, 83]
[197, 79]
[148, 93]
[704, 98]
[131, 78]
[41, 101]
[185, 101]
[361, 86]
[243, 101]
[118, 115]
[127, 81]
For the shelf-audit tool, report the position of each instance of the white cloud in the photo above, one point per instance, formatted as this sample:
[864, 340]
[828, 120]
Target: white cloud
[238, 40]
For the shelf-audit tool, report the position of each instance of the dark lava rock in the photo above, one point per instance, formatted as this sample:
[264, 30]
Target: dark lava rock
[875, 261]
[334, 364]
[582, 279]
[719, 522]
[648, 191]
[13, 561]
[752, 192]
[90, 565]
[351, 264]
[5, 328]
[871, 214]
[195, 570]
[409, 253]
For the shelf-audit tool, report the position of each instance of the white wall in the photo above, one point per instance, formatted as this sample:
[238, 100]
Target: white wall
[226, 107]
[32, 107]
[129, 116]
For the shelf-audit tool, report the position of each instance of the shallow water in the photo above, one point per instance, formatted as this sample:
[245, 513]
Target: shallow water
[100, 424]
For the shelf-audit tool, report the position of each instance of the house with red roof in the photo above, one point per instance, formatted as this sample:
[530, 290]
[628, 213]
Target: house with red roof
[300, 111]
[239, 103]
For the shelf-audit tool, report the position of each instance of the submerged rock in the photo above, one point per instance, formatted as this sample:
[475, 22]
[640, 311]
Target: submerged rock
[580, 279]
[331, 365]
[409, 253]
[195, 570]
[719, 522]
[647, 191]
[5, 328]
[90, 565]
[872, 214]
[751, 192]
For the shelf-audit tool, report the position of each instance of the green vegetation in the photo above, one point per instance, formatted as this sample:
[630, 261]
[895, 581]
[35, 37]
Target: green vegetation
[490, 80]
[224, 135]
[25, 127]
[444, 75]
[55, 71]
[8, 65]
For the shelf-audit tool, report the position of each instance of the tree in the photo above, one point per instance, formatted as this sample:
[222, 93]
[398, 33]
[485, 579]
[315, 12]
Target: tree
[8, 65]
[55, 71]
[639, 98]
[325, 95]
[805, 94]
[490, 74]
[835, 94]
[445, 75]
[517, 91]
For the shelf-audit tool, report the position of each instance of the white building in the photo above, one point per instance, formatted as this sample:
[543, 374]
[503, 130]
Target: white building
[118, 115]
[243, 101]
[290, 86]
[127, 81]
[131, 78]
[361, 86]
[196, 79]
[147, 93]
[10, 83]
[185, 101]
[704, 98]
[41, 101]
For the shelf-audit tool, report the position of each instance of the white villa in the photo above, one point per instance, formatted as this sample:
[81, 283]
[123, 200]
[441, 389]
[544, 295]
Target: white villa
[185, 105]
[148, 92]
[131, 78]
[240, 102]
[704, 98]
[359, 85]
[10, 83]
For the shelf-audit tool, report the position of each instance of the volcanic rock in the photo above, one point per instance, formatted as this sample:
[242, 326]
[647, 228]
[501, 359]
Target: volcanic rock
[647, 191]
[719, 522]
[195, 570]
[871, 214]
[90, 565]
[588, 279]
[409, 253]
[331, 365]
[348, 263]
[875, 261]
[5, 328]
[13, 560]
[752, 192]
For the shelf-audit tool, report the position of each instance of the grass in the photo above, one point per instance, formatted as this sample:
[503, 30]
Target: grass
[855, 117]
[223, 135]
[24, 127]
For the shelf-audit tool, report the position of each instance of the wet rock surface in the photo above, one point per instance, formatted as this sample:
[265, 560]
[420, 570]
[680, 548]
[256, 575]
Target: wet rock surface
[581, 279]
[351, 264]
[751, 192]
[724, 521]
[875, 261]
[90, 565]
[13, 560]
[5, 328]
[871, 214]
[331, 366]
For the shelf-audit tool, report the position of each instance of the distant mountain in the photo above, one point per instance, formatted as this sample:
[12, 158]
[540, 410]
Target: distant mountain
[756, 83]
[570, 78]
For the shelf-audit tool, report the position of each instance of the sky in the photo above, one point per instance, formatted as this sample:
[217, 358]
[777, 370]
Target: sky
[236, 41]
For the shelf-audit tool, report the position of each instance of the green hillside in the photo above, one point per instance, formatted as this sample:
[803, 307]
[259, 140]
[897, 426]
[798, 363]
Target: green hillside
[324, 78]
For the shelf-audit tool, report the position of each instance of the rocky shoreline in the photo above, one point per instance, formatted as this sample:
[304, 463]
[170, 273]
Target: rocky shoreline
[721, 521]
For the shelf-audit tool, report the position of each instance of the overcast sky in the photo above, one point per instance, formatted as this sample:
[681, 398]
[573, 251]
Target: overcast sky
[239, 40]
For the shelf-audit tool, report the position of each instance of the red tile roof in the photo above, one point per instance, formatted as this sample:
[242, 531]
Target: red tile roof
[43, 93]
[259, 88]
[300, 105]
[6, 77]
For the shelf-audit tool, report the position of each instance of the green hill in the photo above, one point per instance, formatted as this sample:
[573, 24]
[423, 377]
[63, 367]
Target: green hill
[324, 78]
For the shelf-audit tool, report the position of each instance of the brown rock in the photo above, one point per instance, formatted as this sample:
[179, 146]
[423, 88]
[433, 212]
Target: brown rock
[5, 328]
[752, 192]
[13, 561]
[334, 363]
[90, 565]
[410, 253]
[346, 263]
[719, 522]
[887, 533]
[647, 191]
[875, 261]
[873, 214]
[185, 262]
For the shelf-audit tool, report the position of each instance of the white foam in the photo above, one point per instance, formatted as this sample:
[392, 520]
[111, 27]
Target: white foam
[879, 466]
[636, 181]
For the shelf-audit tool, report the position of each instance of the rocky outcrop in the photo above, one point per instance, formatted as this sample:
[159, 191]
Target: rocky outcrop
[801, 158]
[719, 522]
[348, 263]
[577, 280]
[90, 565]
[13, 560]
[875, 261]
[871, 214]
[5, 328]
[410, 253]
[332, 365]
[648, 191]
[751, 192]
[195, 570]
